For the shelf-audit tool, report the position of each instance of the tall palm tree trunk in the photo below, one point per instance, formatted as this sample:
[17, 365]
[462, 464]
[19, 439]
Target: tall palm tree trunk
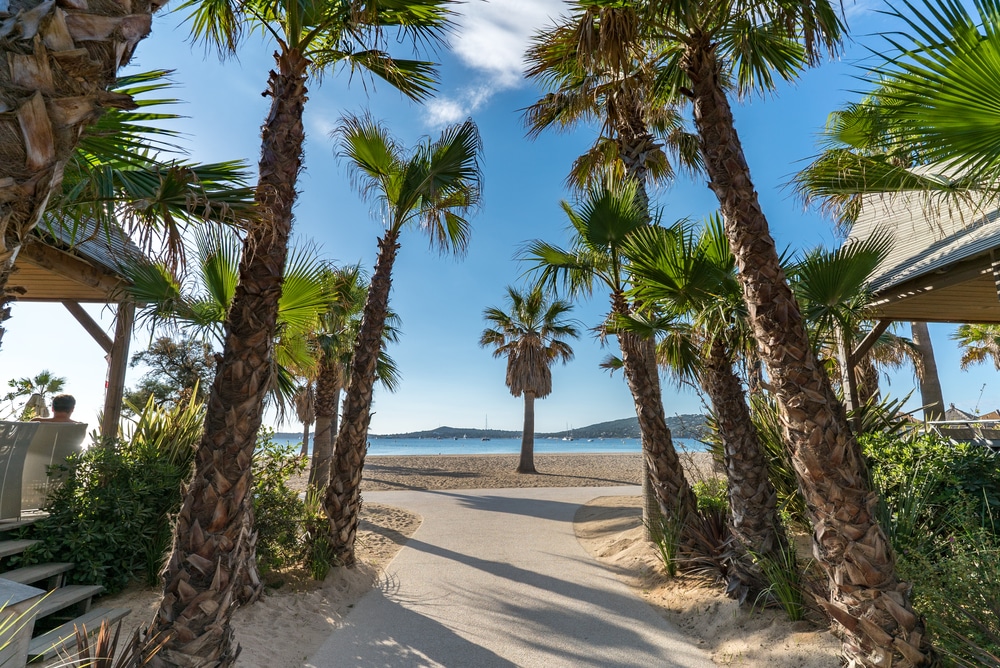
[866, 597]
[930, 381]
[527, 463]
[60, 66]
[343, 496]
[753, 501]
[304, 452]
[671, 489]
[327, 398]
[206, 574]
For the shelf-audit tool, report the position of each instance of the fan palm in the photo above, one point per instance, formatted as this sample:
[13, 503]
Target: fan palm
[62, 67]
[605, 217]
[126, 171]
[979, 343]
[694, 278]
[334, 339]
[308, 37]
[753, 46]
[44, 384]
[531, 335]
[431, 188]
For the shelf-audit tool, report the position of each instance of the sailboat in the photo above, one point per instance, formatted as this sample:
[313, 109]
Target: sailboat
[486, 438]
[570, 430]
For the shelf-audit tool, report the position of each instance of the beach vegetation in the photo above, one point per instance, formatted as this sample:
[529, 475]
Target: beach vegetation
[37, 389]
[687, 279]
[277, 509]
[531, 333]
[601, 222]
[215, 525]
[785, 576]
[432, 188]
[333, 339]
[601, 63]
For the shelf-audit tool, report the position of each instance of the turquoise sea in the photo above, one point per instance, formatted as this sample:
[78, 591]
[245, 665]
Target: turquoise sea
[499, 446]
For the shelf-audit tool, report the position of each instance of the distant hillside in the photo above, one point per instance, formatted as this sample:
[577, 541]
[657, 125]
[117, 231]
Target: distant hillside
[682, 426]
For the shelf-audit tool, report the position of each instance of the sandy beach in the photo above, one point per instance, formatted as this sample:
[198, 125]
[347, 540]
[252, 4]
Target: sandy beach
[296, 614]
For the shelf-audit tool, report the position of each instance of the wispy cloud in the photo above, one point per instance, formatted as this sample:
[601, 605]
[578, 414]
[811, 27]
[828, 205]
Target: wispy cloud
[491, 40]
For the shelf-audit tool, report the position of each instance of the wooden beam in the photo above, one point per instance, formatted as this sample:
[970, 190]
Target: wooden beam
[995, 266]
[69, 266]
[95, 330]
[870, 339]
[116, 370]
[960, 272]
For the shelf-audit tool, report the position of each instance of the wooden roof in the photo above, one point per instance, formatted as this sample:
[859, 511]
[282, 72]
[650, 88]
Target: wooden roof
[67, 264]
[941, 266]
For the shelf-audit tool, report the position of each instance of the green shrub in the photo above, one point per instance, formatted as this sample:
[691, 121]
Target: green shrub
[111, 516]
[712, 494]
[279, 513]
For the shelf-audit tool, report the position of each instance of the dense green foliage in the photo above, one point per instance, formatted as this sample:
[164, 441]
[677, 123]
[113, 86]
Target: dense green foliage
[278, 511]
[940, 503]
[178, 369]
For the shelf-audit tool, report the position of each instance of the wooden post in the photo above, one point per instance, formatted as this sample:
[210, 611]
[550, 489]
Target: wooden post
[117, 364]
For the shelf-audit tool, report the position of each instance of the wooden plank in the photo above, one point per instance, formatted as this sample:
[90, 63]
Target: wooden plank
[30, 574]
[871, 338]
[116, 369]
[48, 645]
[9, 547]
[64, 597]
[95, 330]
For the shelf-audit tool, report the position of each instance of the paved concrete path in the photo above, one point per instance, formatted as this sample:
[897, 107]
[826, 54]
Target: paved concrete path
[497, 578]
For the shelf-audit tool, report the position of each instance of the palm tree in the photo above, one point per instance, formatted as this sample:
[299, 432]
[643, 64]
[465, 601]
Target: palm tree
[694, 278]
[752, 45]
[125, 172]
[304, 401]
[531, 336]
[979, 343]
[335, 337]
[602, 222]
[431, 188]
[49, 113]
[307, 37]
[43, 385]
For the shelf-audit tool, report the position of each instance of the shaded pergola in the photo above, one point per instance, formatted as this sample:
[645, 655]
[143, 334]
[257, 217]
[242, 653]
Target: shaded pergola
[83, 266]
[944, 265]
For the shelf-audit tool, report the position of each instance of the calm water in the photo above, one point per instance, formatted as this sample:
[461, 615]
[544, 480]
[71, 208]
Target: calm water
[501, 446]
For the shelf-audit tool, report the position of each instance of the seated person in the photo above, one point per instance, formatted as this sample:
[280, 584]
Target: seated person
[62, 409]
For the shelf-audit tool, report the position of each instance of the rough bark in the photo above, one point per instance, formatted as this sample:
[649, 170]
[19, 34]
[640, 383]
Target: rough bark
[207, 572]
[930, 381]
[527, 462]
[61, 59]
[672, 491]
[753, 501]
[343, 496]
[327, 397]
[304, 452]
[867, 601]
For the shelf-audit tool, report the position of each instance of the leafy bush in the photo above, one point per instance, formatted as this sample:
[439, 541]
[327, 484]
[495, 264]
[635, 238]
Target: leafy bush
[111, 516]
[279, 514]
[712, 494]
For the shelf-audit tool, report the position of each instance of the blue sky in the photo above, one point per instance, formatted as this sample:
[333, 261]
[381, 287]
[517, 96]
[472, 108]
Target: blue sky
[446, 378]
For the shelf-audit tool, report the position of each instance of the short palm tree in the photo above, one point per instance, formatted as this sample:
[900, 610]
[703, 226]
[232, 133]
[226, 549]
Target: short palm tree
[431, 188]
[44, 385]
[601, 223]
[304, 401]
[693, 277]
[531, 335]
[979, 343]
[334, 339]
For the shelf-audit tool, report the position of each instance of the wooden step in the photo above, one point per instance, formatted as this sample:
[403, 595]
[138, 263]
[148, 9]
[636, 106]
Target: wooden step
[38, 572]
[9, 547]
[61, 598]
[48, 645]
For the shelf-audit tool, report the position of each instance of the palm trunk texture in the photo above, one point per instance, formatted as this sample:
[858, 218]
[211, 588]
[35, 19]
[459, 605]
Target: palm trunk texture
[930, 381]
[672, 491]
[343, 496]
[753, 501]
[206, 575]
[327, 398]
[304, 452]
[527, 463]
[866, 598]
[61, 60]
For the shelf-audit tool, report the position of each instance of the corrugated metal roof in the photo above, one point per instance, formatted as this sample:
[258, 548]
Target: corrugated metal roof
[928, 235]
[106, 248]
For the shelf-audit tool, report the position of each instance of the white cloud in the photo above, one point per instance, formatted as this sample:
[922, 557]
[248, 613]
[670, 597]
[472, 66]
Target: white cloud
[491, 40]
